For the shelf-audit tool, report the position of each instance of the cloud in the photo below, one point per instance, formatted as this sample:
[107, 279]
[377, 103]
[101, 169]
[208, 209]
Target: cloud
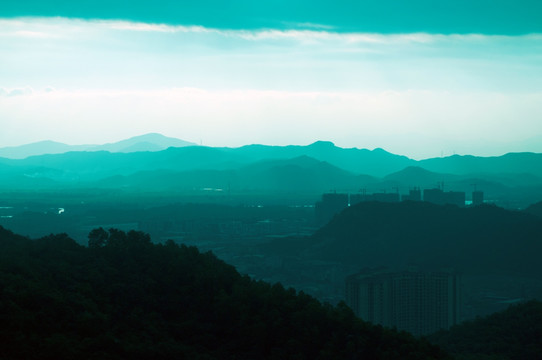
[144, 55]
[42, 28]
[191, 79]
[316, 33]
[16, 91]
[25, 91]
[149, 27]
[35, 34]
[33, 28]
[311, 32]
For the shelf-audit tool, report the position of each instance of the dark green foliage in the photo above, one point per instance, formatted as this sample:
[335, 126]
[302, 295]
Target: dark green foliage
[535, 209]
[483, 239]
[97, 238]
[126, 298]
[514, 334]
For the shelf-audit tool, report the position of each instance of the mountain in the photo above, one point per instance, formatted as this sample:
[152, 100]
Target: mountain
[38, 148]
[123, 297]
[95, 165]
[511, 163]
[375, 162]
[520, 168]
[512, 334]
[481, 240]
[91, 166]
[513, 180]
[418, 176]
[302, 173]
[535, 209]
[493, 185]
[298, 175]
[148, 142]
[495, 251]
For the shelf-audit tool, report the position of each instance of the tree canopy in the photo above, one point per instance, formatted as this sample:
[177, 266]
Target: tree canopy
[123, 297]
[513, 334]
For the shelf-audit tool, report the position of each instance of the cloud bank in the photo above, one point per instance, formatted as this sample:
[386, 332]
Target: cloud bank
[94, 81]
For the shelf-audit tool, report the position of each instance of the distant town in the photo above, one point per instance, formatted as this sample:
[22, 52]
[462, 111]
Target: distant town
[333, 203]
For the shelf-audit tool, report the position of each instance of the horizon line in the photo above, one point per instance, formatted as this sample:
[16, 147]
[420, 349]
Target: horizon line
[200, 144]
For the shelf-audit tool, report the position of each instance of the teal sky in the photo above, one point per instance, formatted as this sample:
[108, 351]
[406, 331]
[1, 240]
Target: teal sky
[504, 17]
[409, 76]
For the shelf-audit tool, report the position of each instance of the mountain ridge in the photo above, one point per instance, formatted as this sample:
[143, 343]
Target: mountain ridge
[513, 177]
[377, 234]
[145, 142]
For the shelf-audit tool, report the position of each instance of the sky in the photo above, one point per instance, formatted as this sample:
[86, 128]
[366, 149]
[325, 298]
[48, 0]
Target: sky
[418, 78]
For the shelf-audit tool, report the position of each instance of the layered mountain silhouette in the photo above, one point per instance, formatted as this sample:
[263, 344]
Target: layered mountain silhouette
[511, 163]
[377, 162]
[147, 142]
[300, 174]
[155, 162]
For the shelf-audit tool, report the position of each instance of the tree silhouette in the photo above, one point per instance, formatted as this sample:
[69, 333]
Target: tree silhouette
[97, 238]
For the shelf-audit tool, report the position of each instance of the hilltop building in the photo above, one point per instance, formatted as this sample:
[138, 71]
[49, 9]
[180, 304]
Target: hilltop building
[413, 195]
[381, 197]
[477, 198]
[415, 301]
[439, 197]
[333, 203]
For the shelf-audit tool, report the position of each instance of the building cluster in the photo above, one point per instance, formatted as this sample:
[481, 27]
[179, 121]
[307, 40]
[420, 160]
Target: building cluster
[333, 203]
[415, 301]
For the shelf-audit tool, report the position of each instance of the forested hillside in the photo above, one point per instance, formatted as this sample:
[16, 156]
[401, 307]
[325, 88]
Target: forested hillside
[124, 297]
[514, 334]
[482, 239]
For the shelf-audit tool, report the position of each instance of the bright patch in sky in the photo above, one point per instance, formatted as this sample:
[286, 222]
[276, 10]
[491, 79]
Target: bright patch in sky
[418, 94]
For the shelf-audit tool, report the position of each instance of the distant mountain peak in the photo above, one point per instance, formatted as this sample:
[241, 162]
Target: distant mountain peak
[380, 150]
[159, 141]
[416, 175]
[145, 142]
[153, 137]
[37, 148]
[322, 144]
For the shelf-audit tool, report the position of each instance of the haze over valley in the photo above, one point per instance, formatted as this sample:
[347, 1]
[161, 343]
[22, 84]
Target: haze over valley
[271, 180]
[260, 208]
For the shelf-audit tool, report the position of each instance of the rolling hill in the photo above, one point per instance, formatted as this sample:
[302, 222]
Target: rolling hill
[514, 180]
[147, 142]
[482, 239]
[512, 334]
[123, 297]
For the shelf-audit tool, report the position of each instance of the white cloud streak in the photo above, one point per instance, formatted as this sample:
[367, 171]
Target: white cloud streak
[313, 32]
[24, 27]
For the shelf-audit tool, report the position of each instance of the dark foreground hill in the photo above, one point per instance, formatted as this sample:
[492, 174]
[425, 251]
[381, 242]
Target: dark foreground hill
[126, 298]
[478, 240]
[535, 209]
[514, 334]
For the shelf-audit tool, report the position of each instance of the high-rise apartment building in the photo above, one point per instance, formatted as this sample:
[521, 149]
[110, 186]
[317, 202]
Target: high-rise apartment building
[412, 300]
